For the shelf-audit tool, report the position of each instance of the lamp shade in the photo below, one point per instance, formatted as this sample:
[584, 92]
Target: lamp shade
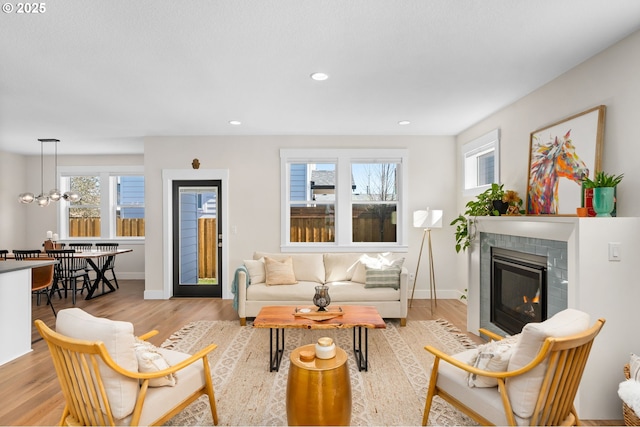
[430, 218]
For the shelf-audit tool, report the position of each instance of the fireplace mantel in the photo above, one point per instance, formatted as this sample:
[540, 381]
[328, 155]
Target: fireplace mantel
[596, 285]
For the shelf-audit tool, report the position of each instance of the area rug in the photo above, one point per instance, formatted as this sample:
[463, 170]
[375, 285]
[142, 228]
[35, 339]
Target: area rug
[391, 393]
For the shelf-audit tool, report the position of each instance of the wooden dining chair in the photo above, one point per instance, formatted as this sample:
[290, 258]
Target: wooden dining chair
[67, 273]
[41, 282]
[108, 263]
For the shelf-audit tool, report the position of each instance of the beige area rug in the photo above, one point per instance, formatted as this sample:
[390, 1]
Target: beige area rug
[391, 392]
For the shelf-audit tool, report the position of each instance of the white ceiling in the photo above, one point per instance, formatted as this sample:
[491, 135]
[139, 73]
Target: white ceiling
[101, 75]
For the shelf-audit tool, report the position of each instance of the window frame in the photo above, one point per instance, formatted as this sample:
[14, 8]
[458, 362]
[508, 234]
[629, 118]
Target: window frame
[108, 199]
[343, 159]
[480, 145]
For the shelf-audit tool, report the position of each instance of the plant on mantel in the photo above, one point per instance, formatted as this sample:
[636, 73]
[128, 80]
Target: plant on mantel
[602, 179]
[487, 203]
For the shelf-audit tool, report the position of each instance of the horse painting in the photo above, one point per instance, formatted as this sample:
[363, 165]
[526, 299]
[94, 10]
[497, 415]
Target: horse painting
[550, 162]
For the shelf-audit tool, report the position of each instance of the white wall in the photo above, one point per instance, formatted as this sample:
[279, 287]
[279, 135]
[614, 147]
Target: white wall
[254, 192]
[13, 221]
[611, 79]
[30, 222]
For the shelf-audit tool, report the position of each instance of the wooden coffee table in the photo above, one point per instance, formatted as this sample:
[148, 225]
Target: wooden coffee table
[356, 317]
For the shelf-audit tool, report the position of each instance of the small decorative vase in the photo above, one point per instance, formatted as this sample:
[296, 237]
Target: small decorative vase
[321, 299]
[603, 198]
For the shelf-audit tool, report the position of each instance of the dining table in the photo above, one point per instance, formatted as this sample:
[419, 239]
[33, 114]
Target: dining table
[93, 260]
[92, 256]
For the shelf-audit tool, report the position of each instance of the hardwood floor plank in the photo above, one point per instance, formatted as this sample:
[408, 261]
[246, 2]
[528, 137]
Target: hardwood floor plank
[29, 389]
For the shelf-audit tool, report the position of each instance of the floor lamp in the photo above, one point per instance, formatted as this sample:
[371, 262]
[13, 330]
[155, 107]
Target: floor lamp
[431, 218]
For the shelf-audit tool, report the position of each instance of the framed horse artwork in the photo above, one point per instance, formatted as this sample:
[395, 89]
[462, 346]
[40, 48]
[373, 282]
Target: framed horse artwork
[561, 155]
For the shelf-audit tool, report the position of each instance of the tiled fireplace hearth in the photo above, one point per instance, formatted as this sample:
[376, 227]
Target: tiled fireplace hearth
[580, 276]
[556, 255]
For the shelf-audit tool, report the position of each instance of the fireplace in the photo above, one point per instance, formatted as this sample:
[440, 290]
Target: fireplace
[518, 289]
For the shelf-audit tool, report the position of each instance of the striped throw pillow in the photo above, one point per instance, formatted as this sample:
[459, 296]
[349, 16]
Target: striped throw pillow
[384, 276]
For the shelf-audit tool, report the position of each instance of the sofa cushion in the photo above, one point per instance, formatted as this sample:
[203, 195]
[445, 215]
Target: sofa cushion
[339, 267]
[385, 276]
[523, 390]
[302, 292]
[309, 267]
[256, 270]
[119, 340]
[279, 272]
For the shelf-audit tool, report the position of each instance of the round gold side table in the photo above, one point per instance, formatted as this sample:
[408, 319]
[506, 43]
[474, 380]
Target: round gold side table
[318, 390]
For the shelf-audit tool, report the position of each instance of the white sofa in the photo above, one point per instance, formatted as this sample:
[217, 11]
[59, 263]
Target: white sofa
[344, 273]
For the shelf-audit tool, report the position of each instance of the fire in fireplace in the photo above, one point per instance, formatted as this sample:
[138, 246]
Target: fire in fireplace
[518, 289]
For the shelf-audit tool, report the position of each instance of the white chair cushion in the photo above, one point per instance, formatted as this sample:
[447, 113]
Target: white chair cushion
[523, 390]
[485, 401]
[119, 340]
[307, 267]
[160, 399]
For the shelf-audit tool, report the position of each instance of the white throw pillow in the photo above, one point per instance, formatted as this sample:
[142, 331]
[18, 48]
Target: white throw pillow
[256, 270]
[494, 357]
[523, 390]
[634, 367]
[279, 272]
[119, 340]
[150, 360]
[339, 267]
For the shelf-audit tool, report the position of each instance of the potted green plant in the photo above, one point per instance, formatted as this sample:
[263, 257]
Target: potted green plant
[482, 205]
[603, 185]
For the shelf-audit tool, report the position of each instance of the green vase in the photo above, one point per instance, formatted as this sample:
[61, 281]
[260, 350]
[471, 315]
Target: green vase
[603, 198]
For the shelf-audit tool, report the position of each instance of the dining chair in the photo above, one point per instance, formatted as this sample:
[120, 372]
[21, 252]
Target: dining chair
[21, 254]
[108, 263]
[67, 272]
[82, 247]
[41, 282]
[3, 254]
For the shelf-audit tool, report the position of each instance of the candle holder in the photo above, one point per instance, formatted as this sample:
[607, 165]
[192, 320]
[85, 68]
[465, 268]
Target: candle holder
[321, 299]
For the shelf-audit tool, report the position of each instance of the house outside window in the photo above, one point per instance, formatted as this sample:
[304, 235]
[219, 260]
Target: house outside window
[481, 163]
[343, 199]
[111, 207]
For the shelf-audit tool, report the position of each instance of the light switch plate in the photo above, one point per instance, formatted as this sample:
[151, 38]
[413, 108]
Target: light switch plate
[615, 251]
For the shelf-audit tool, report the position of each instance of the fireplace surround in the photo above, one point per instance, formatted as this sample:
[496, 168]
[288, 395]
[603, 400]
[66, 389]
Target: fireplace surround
[592, 282]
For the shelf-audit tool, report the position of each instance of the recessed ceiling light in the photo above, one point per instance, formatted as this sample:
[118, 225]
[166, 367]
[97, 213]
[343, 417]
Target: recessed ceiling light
[319, 76]
[404, 122]
[235, 122]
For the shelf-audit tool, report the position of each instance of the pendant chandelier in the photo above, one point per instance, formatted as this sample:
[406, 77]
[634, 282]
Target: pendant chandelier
[54, 195]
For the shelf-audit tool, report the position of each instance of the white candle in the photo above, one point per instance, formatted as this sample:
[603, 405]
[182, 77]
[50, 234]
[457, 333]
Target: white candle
[55, 237]
[49, 234]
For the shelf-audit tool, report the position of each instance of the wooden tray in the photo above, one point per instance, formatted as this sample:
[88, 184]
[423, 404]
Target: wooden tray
[314, 314]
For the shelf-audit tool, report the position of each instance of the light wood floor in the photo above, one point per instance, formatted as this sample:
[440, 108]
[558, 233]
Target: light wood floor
[29, 389]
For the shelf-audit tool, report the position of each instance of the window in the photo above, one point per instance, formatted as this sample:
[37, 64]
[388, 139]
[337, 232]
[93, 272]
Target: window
[481, 163]
[343, 198]
[112, 203]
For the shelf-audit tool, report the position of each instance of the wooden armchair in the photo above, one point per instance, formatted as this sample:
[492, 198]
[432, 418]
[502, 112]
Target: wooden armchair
[102, 385]
[538, 388]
